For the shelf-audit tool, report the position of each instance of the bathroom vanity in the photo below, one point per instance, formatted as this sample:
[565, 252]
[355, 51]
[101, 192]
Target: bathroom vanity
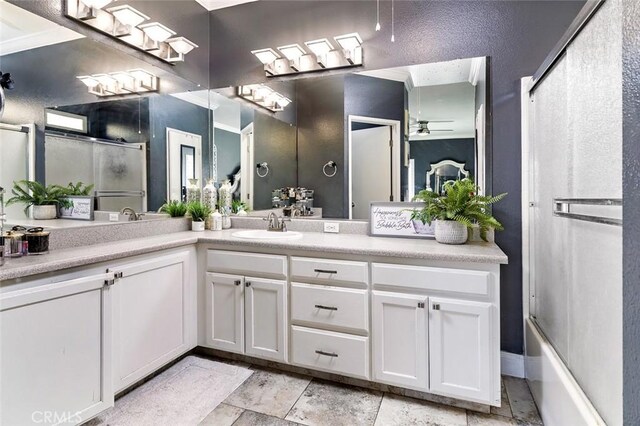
[82, 324]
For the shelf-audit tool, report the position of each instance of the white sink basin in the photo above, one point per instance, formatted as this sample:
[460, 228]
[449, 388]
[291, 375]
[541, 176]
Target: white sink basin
[262, 234]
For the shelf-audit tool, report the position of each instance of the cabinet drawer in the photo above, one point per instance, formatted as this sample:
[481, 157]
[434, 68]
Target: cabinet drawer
[329, 270]
[332, 306]
[425, 278]
[332, 352]
[254, 264]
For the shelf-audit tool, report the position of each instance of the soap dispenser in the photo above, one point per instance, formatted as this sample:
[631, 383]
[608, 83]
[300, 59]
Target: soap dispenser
[217, 221]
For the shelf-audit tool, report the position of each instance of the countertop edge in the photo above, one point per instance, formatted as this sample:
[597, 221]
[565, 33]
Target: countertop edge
[150, 244]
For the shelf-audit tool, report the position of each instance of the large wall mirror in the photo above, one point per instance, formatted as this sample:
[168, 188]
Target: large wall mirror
[137, 149]
[344, 141]
[328, 144]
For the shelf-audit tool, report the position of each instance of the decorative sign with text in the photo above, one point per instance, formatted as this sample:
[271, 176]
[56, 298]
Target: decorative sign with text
[79, 207]
[394, 220]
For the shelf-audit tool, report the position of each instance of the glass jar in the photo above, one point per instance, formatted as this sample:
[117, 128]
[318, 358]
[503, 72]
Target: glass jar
[193, 191]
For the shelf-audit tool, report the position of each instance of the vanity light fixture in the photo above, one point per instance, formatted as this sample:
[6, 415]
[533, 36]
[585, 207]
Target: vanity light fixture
[127, 24]
[264, 96]
[120, 82]
[324, 56]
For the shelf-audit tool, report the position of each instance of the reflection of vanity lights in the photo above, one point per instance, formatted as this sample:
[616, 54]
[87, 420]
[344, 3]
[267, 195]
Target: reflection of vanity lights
[324, 56]
[264, 96]
[120, 82]
[127, 24]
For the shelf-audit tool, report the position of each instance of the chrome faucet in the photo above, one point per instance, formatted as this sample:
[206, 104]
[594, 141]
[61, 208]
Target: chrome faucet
[131, 212]
[276, 224]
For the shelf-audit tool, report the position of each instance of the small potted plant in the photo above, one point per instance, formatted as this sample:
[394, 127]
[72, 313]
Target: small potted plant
[199, 213]
[44, 199]
[457, 211]
[174, 208]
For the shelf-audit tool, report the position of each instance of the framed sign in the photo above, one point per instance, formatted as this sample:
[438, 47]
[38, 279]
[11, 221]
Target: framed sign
[80, 207]
[390, 219]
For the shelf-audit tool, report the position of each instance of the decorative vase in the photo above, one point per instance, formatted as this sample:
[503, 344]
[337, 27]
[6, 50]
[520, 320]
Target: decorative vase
[226, 197]
[45, 212]
[197, 226]
[193, 191]
[210, 195]
[451, 232]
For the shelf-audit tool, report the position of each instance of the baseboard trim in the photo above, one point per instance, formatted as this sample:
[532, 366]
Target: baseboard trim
[512, 364]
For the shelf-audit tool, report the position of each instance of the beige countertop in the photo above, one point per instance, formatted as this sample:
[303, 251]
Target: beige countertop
[476, 252]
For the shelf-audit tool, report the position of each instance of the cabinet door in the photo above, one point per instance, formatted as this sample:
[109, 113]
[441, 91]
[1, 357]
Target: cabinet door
[266, 319]
[55, 354]
[225, 312]
[399, 333]
[460, 349]
[151, 303]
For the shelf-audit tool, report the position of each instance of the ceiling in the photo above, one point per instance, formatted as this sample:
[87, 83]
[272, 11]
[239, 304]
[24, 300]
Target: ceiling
[220, 4]
[21, 30]
[446, 93]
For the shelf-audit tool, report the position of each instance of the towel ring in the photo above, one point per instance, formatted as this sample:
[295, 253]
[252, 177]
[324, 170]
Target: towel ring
[261, 166]
[331, 164]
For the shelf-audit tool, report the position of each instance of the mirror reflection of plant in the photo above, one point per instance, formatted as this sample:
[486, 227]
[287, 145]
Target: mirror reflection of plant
[174, 208]
[33, 193]
[198, 211]
[78, 189]
[237, 205]
[460, 202]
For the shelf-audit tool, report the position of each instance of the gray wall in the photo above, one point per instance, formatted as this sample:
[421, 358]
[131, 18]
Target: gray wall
[631, 210]
[274, 142]
[516, 35]
[321, 139]
[228, 148]
[169, 111]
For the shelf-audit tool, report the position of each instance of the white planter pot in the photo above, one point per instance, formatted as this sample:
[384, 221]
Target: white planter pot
[45, 212]
[451, 232]
[197, 226]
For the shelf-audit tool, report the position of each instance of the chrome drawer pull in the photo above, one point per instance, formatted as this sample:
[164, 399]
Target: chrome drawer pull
[237, 282]
[325, 271]
[334, 355]
[328, 308]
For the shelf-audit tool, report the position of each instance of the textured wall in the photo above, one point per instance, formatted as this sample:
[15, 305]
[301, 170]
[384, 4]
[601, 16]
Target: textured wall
[516, 35]
[631, 209]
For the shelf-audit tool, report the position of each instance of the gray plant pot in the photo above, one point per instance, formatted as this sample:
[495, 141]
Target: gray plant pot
[451, 232]
[45, 212]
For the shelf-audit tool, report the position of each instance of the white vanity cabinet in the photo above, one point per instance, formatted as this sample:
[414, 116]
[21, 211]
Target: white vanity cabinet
[437, 330]
[55, 356]
[400, 339]
[153, 314]
[247, 309]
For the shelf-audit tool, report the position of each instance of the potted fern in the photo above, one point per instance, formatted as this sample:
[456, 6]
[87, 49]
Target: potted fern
[174, 208]
[199, 213]
[457, 211]
[44, 199]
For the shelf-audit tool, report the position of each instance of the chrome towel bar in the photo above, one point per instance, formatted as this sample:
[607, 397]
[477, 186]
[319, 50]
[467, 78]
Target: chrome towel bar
[562, 208]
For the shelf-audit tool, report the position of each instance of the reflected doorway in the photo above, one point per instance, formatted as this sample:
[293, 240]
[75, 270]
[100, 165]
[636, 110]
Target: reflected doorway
[374, 175]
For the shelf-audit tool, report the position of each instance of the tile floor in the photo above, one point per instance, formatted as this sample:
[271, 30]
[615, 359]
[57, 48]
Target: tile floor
[273, 398]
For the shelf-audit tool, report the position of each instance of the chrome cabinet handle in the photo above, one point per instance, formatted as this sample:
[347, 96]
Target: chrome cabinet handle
[331, 354]
[237, 282]
[436, 307]
[325, 271]
[247, 284]
[328, 308]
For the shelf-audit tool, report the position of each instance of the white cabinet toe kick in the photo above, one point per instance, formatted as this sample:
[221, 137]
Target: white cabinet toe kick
[433, 329]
